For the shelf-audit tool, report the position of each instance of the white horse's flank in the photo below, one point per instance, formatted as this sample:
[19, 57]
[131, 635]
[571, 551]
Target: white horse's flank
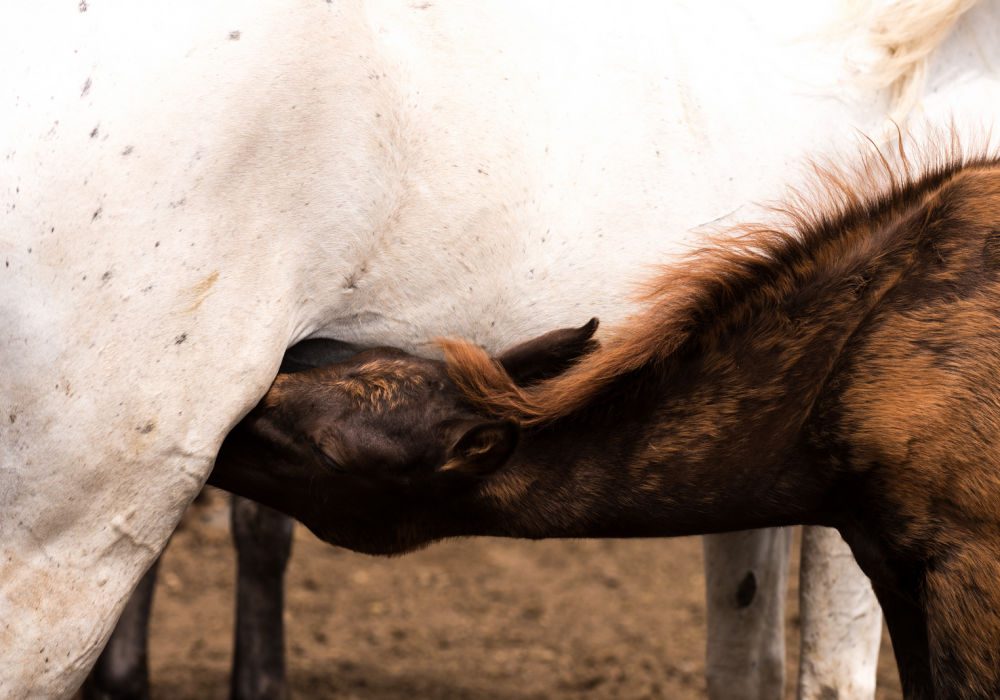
[189, 188]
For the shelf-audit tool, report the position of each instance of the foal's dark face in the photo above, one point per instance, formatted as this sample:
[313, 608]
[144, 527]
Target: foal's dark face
[363, 451]
[345, 448]
[382, 413]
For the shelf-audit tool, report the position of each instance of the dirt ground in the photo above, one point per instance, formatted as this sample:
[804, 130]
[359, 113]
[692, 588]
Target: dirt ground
[483, 619]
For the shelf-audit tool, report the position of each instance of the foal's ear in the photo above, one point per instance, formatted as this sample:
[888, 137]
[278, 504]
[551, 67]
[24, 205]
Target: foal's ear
[483, 447]
[548, 355]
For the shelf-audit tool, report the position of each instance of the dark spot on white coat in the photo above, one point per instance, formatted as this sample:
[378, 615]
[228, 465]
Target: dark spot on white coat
[746, 591]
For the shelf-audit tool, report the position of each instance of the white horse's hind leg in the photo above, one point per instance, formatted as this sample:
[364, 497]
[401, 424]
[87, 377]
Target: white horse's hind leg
[263, 539]
[841, 621]
[746, 578]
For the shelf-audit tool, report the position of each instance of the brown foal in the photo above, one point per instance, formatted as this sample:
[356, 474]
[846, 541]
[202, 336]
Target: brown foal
[841, 371]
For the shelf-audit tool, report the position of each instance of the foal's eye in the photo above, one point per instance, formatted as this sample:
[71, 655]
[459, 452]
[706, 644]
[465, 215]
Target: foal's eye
[326, 460]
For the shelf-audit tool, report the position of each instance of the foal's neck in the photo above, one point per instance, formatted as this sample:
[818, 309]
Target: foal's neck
[714, 444]
[721, 435]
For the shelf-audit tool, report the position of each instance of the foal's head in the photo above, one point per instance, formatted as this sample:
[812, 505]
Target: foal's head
[349, 448]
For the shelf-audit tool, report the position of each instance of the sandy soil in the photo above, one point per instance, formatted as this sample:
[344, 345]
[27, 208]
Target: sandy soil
[484, 619]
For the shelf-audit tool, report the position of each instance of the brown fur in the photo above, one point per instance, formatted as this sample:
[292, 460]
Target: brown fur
[374, 387]
[377, 387]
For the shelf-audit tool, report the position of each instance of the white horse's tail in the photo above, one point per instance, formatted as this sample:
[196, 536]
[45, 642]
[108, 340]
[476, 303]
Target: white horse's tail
[905, 33]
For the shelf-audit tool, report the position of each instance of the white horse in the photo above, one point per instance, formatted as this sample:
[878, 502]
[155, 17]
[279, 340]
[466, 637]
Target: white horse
[190, 188]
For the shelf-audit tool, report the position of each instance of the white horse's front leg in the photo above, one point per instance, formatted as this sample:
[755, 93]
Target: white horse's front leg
[841, 621]
[746, 578]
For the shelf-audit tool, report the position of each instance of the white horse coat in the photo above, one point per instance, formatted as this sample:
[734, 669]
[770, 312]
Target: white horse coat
[189, 188]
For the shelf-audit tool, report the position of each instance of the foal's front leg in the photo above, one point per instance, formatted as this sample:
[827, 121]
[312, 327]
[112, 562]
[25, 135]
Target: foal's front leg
[908, 629]
[961, 601]
[746, 577]
[263, 539]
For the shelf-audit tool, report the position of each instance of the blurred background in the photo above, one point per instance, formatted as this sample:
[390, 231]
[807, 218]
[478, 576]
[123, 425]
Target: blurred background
[473, 619]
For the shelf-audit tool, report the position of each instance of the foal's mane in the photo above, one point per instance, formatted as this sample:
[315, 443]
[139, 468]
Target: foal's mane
[840, 210]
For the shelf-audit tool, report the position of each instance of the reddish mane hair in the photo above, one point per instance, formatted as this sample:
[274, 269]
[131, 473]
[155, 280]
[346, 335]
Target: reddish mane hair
[848, 217]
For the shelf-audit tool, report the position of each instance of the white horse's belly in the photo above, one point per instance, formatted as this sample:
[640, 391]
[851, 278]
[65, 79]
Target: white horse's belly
[590, 141]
